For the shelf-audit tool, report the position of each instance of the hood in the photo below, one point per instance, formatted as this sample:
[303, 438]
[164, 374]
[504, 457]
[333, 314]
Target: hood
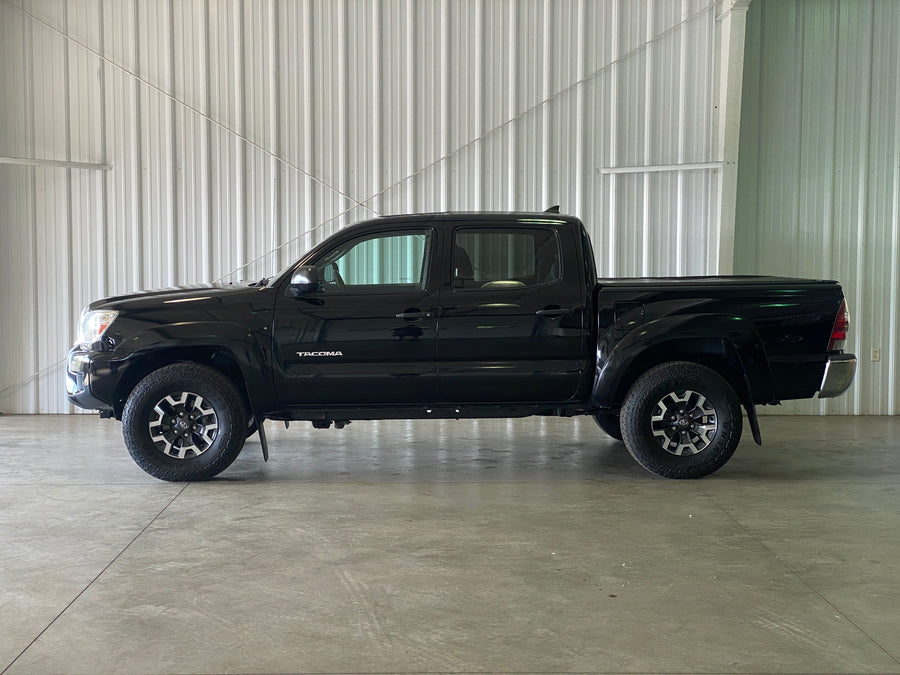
[178, 297]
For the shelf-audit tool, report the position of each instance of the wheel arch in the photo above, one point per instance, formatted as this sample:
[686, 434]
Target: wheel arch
[710, 352]
[728, 345]
[220, 358]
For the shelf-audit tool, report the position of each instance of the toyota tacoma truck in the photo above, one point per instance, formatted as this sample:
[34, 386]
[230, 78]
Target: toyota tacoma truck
[457, 315]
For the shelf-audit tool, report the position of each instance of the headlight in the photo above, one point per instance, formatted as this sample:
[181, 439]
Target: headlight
[93, 325]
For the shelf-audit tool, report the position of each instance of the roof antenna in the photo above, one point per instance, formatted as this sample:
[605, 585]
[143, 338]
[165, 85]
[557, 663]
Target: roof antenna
[553, 209]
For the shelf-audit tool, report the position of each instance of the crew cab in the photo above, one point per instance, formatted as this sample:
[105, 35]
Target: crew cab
[457, 315]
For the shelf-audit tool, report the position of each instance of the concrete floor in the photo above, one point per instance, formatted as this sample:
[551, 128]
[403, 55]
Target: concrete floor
[518, 546]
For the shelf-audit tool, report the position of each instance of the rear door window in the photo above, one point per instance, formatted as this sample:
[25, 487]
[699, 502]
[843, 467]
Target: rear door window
[494, 258]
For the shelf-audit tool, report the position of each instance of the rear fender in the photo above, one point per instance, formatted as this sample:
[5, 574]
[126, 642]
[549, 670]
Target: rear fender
[728, 344]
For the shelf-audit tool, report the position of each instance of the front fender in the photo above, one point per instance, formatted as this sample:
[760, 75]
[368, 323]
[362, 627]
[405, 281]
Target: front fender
[230, 346]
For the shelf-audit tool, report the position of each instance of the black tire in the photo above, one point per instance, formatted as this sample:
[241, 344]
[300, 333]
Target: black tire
[609, 422]
[681, 420]
[184, 422]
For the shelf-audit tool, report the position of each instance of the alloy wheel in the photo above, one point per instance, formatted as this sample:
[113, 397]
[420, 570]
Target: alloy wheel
[183, 425]
[684, 423]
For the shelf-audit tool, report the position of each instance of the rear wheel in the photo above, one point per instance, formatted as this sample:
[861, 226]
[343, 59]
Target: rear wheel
[184, 422]
[681, 420]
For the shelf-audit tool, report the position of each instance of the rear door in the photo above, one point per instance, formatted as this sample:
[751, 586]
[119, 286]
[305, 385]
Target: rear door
[512, 316]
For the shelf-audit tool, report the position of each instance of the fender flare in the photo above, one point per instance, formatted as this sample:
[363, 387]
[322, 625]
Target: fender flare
[729, 341]
[237, 342]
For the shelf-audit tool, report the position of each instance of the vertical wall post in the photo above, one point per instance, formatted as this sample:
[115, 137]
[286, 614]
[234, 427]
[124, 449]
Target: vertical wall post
[732, 22]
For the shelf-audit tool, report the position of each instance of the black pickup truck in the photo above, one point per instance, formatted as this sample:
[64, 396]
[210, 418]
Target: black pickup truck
[457, 315]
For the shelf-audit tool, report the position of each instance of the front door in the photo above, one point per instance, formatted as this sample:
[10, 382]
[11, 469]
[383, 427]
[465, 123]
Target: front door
[367, 335]
[512, 319]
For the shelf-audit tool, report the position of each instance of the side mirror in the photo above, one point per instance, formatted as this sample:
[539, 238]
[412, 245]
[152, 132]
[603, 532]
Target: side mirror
[305, 280]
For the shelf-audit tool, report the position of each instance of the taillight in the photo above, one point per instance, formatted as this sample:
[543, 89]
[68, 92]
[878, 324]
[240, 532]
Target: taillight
[839, 331]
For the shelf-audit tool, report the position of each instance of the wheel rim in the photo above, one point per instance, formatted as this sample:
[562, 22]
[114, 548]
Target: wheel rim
[684, 423]
[183, 425]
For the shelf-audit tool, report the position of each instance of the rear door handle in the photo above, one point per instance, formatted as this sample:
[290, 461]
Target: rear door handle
[555, 312]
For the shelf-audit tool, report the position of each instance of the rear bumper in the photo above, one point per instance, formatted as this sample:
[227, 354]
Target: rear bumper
[839, 372]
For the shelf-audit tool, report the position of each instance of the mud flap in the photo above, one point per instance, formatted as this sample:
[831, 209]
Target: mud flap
[262, 437]
[754, 423]
[751, 411]
[747, 398]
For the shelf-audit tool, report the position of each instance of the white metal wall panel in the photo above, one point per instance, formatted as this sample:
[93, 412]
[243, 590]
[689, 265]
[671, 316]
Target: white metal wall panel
[819, 184]
[242, 133]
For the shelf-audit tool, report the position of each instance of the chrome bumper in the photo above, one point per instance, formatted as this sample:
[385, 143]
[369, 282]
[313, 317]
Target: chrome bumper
[839, 372]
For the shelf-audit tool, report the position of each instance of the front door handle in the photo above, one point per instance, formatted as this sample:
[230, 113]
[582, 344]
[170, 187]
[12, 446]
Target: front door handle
[413, 315]
[555, 312]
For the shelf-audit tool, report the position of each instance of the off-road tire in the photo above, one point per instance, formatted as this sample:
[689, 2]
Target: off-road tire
[651, 418]
[218, 396]
[610, 424]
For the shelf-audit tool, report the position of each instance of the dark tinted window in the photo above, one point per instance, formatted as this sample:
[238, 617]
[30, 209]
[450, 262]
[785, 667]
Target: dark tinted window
[498, 258]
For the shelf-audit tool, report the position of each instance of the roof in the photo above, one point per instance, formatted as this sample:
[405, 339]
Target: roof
[538, 217]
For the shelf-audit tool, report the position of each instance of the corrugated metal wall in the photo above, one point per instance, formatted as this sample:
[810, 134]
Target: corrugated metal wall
[819, 176]
[241, 133]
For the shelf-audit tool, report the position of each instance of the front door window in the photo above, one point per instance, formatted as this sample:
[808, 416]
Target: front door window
[385, 263]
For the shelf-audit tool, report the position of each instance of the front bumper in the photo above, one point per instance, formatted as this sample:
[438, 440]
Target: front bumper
[82, 367]
[839, 372]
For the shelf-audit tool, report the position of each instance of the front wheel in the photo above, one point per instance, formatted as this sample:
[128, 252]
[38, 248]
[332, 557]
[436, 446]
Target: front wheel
[184, 422]
[681, 420]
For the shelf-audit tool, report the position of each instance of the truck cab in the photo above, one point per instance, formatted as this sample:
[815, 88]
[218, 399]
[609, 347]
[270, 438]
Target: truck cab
[470, 309]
